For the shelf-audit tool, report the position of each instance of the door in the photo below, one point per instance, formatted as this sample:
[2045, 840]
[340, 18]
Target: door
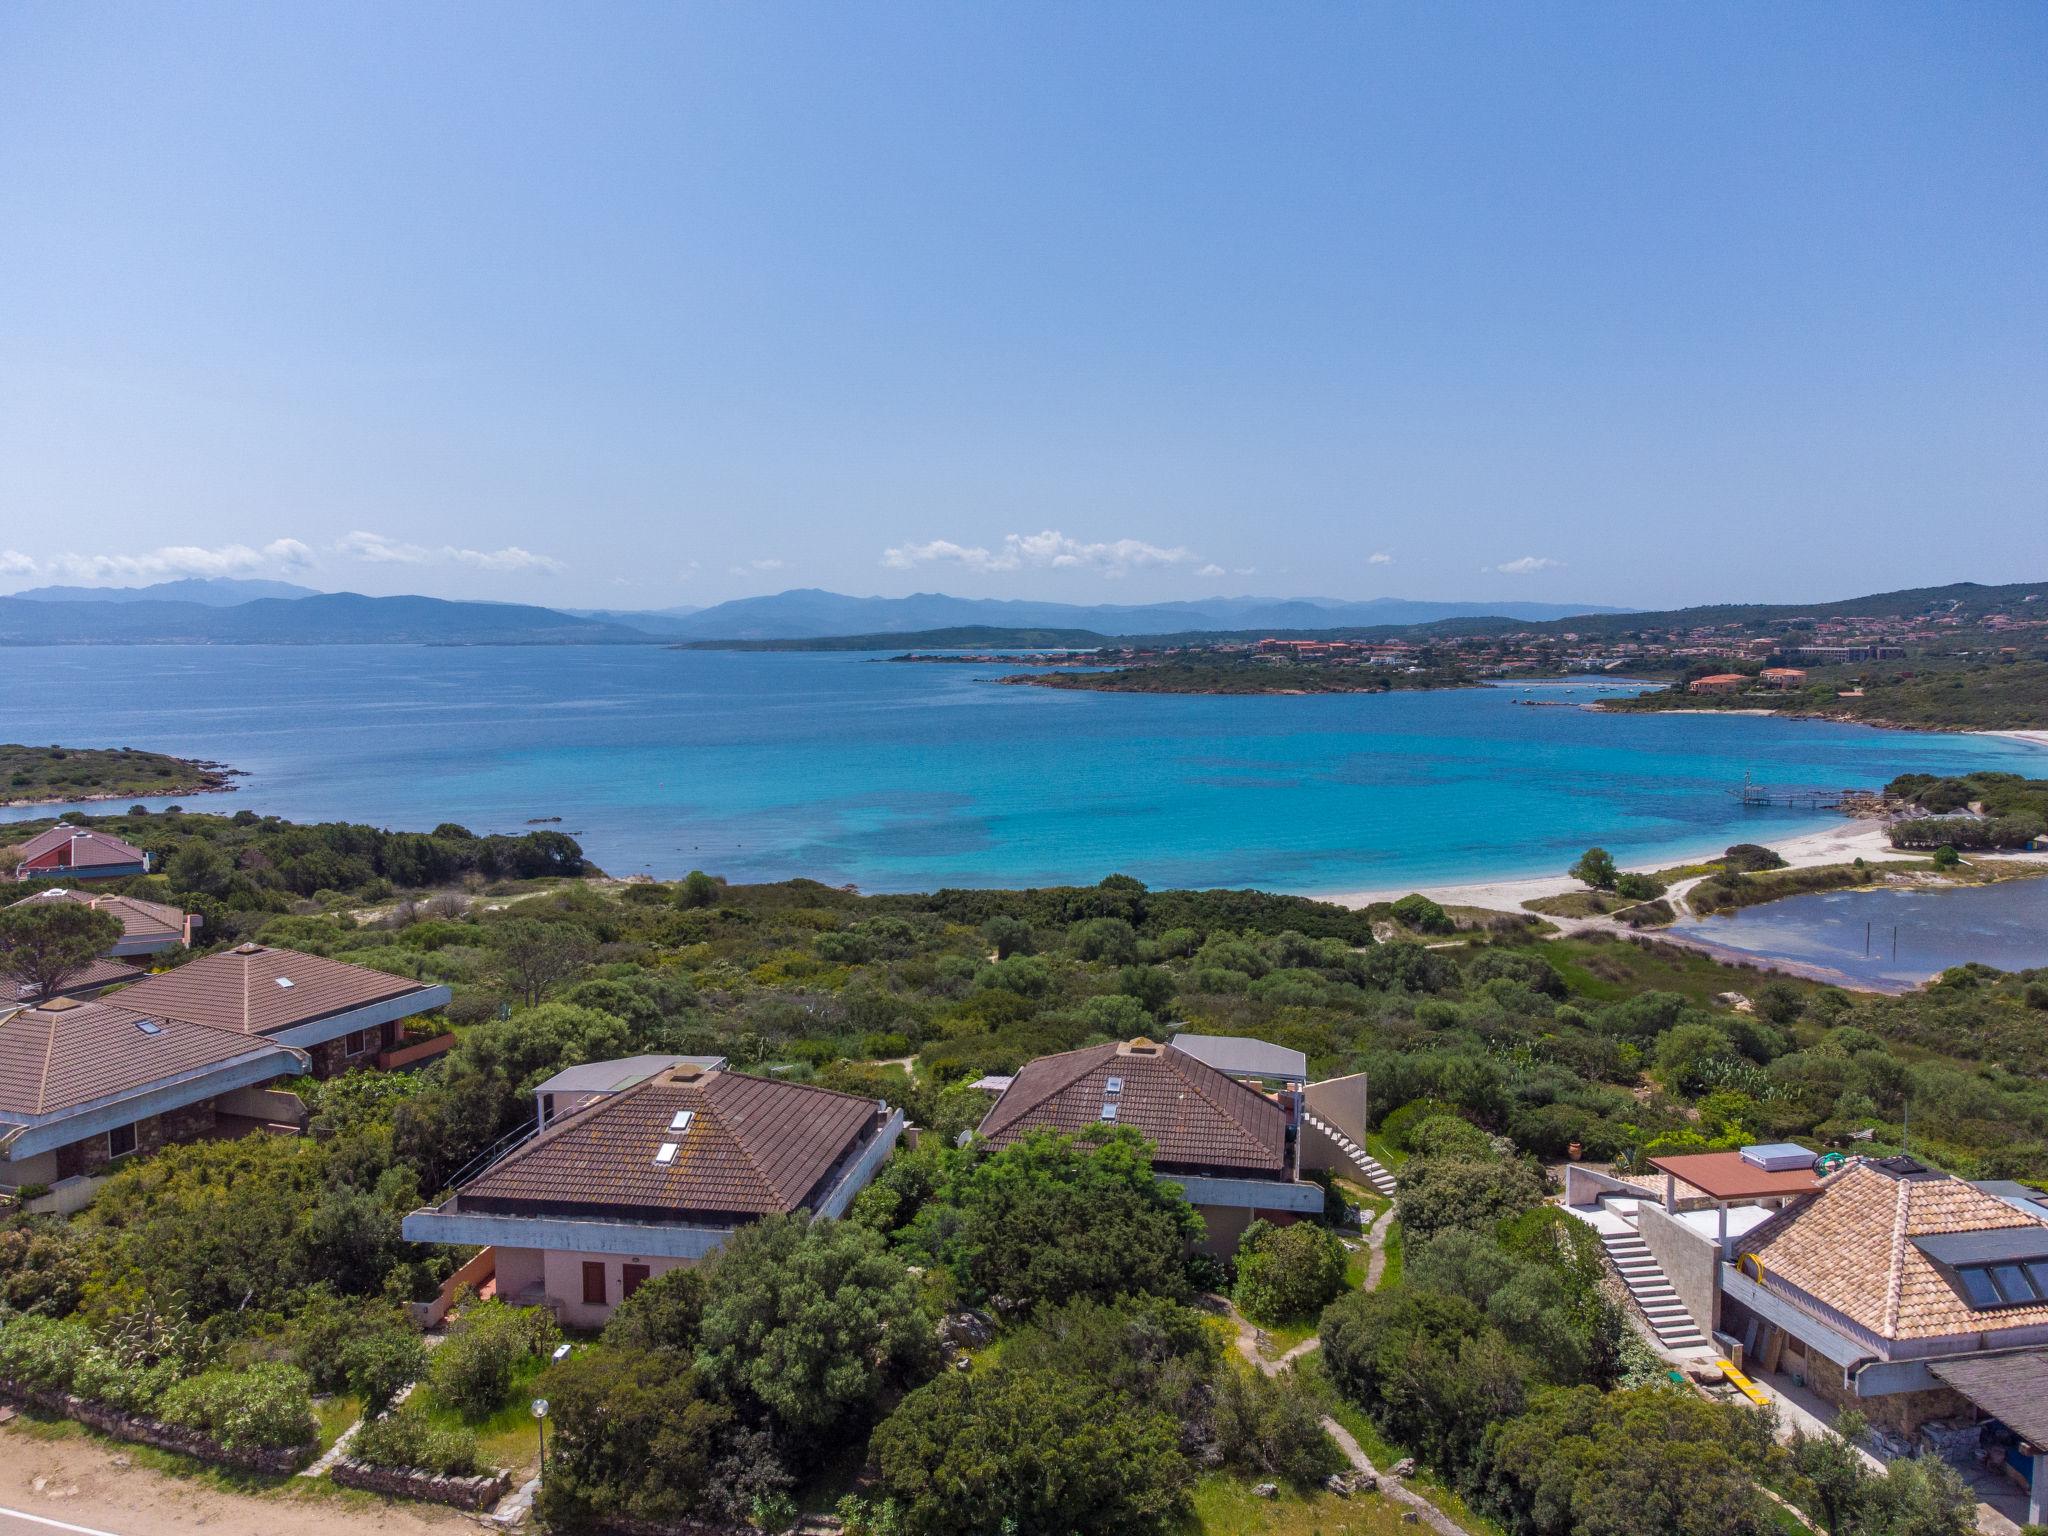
[593, 1282]
[631, 1278]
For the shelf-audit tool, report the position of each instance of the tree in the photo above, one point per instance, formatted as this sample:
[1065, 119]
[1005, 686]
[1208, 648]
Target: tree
[811, 1320]
[1038, 1452]
[1440, 1193]
[44, 944]
[1418, 912]
[1051, 1218]
[1596, 868]
[1287, 1272]
[663, 1314]
[1008, 936]
[534, 955]
[1583, 1463]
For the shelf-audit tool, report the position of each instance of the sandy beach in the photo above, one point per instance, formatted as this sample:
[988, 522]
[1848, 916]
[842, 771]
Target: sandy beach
[1831, 845]
[2032, 738]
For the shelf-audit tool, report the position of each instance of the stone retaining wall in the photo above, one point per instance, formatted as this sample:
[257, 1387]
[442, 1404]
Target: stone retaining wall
[165, 1437]
[412, 1483]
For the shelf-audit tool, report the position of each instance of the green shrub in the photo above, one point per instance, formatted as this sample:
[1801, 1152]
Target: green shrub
[406, 1438]
[344, 1346]
[1399, 1125]
[473, 1368]
[1418, 912]
[42, 1351]
[265, 1405]
[1287, 1272]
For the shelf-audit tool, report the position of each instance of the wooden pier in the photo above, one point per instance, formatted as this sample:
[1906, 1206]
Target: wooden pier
[1801, 797]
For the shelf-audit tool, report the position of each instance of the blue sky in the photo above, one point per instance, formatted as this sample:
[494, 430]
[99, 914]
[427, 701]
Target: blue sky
[640, 305]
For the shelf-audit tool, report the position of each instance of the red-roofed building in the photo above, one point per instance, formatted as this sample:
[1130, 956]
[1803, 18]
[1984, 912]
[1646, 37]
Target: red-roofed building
[77, 853]
[655, 1176]
[1233, 1149]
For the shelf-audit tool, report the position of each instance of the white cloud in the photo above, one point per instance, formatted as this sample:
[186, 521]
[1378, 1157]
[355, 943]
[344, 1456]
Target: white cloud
[1049, 550]
[375, 549]
[769, 564]
[14, 563]
[1528, 565]
[1210, 570]
[1381, 558]
[288, 553]
[172, 560]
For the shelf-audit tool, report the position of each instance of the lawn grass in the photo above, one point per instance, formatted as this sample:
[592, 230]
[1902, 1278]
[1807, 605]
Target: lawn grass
[1384, 1152]
[1392, 1246]
[335, 1414]
[1278, 1338]
[506, 1437]
[1226, 1506]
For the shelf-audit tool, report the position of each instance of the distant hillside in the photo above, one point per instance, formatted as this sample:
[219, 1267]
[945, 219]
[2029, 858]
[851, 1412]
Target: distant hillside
[1962, 600]
[808, 613]
[211, 591]
[328, 618]
[970, 637]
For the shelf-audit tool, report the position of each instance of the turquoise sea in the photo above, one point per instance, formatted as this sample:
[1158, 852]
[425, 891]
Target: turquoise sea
[905, 777]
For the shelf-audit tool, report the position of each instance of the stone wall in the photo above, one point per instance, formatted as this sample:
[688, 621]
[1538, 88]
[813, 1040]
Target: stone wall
[411, 1483]
[165, 1437]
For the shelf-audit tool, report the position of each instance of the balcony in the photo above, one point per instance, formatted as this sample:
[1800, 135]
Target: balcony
[413, 1051]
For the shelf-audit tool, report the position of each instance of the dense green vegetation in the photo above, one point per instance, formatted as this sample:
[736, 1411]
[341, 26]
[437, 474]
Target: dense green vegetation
[1235, 674]
[1976, 811]
[29, 775]
[1915, 693]
[762, 1382]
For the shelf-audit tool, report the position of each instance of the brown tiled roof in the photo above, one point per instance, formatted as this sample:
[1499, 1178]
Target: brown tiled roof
[58, 1056]
[139, 919]
[1849, 1246]
[103, 972]
[1730, 1176]
[240, 989]
[753, 1146]
[87, 847]
[1196, 1118]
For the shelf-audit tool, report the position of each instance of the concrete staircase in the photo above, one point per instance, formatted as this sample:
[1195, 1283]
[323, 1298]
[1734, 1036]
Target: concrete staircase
[1368, 1168]
[1669, 1320]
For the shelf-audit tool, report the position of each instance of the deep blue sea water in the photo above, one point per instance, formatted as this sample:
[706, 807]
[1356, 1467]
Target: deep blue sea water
[906, 777]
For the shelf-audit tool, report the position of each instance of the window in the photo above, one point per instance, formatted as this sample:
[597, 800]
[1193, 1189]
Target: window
[631, 1278]
[680, 1121]
[121, 1141]
[666, 1154]
[593, 1282]
[1114, 1085]
[358, 1042]
[1109, 1111]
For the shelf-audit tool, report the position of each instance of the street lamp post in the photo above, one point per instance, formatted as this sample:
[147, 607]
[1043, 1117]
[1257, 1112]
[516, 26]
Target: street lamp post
[540, 1422]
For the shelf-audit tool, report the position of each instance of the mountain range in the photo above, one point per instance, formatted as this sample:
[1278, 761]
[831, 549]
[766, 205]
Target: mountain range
[226, 610]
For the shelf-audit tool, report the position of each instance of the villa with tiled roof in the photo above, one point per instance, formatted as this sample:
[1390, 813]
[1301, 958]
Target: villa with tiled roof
[656, 1175]
[77, 853]
[1233, 1149]
[83, 1084]
[1884, 1273]
[344, 1015]
[147, 927]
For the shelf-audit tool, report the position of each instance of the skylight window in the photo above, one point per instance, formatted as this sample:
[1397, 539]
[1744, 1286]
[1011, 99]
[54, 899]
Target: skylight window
[149, 1026]
[284, 981]
[667, 1154]
[1114, 1085]
[681, 1120]
[1109, 1111]
[2005, 1285]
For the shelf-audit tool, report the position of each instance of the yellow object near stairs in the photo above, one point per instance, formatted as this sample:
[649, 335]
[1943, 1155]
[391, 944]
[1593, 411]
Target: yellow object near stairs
[1743, 1384]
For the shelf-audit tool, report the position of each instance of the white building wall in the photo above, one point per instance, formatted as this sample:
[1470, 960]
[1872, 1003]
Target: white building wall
[562, 1275]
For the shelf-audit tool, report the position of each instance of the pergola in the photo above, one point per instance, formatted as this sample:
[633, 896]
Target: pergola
[2014, 1390]
[1728, 1178]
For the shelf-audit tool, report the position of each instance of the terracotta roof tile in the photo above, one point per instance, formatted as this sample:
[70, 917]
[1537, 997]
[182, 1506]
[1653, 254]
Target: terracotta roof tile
[752, 1146]
[139, 919]
[1849, 1246]
[87, 847]
[54, 1058]
[1196, 1118]
[100, 974]
[242, 989]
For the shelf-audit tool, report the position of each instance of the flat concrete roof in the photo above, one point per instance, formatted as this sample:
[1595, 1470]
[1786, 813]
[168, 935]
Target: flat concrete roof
[1729, 1176]
[612, 1076]
[1241, 1056]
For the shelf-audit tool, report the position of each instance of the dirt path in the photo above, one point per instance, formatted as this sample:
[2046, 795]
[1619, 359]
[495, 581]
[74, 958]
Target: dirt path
[1392, 1487]
[83, 1482]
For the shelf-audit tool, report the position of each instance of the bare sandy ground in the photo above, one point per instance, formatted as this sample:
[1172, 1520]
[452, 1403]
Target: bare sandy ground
[83, 1483]
[1831, 845]
[2035, 738]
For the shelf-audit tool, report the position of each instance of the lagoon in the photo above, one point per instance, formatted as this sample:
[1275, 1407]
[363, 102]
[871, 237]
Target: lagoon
[1890, 939]
[850, 770]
